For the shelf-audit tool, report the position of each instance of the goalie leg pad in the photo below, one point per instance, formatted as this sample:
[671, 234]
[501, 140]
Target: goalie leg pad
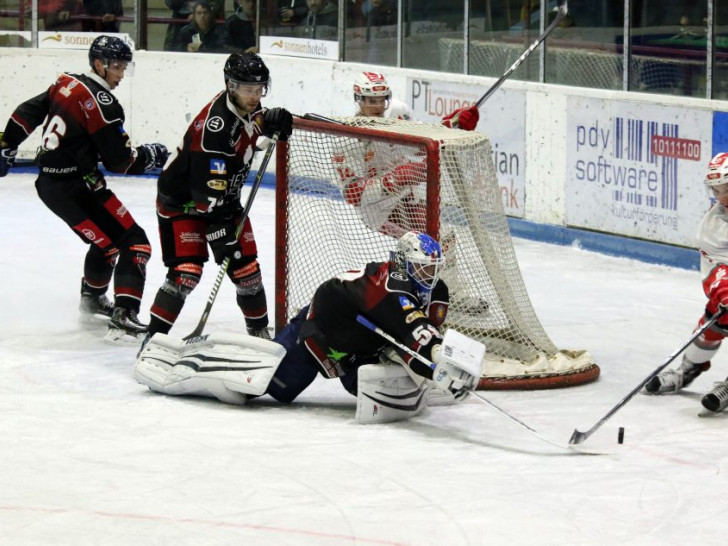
[229, 367]
[386, 393]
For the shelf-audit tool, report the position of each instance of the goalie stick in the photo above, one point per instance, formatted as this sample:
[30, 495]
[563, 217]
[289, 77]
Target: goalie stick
[374, 328]
[226, 262]
[579, 437]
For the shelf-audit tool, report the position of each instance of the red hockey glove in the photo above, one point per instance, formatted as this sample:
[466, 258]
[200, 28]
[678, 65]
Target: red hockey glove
[463, 118]
[716, 288]
[409, 174]
[354, 190]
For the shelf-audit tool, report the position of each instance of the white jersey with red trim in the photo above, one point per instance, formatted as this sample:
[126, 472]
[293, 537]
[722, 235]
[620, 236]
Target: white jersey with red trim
[397, 110]
[712, 239]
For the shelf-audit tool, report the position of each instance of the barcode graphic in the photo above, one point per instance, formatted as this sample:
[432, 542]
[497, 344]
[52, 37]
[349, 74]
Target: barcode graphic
[669, 171]
[632, 142]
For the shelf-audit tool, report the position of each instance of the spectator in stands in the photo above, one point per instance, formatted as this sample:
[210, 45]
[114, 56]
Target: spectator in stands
[105, 13]
[203, 34]
[240, 27]
[379, 12]
[292, 12]
[321, 13]
[181, 9]
[58, 15]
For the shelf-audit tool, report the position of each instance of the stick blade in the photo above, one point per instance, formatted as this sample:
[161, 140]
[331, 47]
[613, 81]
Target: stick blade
[578, 437]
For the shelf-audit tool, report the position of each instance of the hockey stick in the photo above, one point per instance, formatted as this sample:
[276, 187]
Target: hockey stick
[319, 117]
[578, 437]
[374, 328]
[560, 14]
[226, 262]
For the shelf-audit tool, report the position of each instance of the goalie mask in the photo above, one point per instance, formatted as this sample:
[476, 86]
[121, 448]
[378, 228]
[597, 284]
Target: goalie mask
[420, 256]
[716, 180]
[113, 53]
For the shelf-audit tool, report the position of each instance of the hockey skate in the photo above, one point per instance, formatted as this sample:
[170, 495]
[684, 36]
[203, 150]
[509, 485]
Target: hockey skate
[674, 380]
[125, 328]
[262, 333]
[717, 399]
[94, 307]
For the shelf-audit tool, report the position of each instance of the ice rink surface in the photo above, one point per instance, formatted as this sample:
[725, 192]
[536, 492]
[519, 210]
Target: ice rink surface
[90, 457]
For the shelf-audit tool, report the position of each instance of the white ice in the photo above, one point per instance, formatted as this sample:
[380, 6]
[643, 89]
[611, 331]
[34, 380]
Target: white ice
[89, 456]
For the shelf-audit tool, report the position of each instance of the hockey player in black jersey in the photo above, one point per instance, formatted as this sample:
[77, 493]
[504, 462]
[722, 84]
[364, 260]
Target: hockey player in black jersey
[404, 297]
[85, 125]
[198, 195]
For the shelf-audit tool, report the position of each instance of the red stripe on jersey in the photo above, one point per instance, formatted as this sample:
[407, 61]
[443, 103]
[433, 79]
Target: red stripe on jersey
[74, 98]
[27, 129]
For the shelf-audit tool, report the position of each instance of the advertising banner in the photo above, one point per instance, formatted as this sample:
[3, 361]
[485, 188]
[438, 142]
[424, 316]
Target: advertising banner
[299, 47]
[637, 169]
[502, 120]
[76, 40]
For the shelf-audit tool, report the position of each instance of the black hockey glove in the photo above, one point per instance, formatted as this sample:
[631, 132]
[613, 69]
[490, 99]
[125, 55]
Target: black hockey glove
[155, 156]
[7, 158]
[223, 242]
[277, 120]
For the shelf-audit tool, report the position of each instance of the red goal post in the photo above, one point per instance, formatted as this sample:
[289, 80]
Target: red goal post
[346, 190]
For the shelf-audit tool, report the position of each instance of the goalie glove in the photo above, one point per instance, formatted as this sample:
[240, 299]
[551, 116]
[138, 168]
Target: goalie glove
[463, 118]
[7, 159]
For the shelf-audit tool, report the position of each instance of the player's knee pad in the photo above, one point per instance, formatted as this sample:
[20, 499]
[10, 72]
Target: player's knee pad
[182, 279]
[136, 246]
[247, 277]
[111, 255]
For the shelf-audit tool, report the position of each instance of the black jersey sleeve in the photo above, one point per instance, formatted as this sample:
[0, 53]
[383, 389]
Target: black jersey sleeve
[26, 117]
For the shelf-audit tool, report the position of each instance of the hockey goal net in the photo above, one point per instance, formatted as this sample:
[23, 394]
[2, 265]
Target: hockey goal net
[323, 229]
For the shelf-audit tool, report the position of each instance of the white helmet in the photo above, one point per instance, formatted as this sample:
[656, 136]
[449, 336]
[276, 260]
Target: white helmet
[371, 84]
[421, 257]
[717, 171]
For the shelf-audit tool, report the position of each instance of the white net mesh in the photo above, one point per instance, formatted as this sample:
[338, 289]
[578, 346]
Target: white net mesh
[351, 193]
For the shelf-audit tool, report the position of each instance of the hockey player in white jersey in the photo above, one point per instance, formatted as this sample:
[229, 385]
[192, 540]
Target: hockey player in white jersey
[389, 196]
[712, 242]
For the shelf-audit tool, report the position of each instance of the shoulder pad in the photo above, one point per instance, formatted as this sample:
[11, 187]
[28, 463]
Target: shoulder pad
[217, 128]
[398, 282]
